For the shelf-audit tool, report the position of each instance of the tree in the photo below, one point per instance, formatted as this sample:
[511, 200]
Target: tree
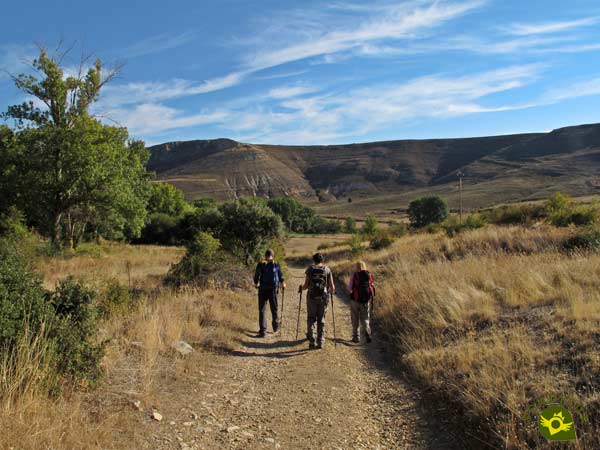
[350, 225]
[370, 226]
[247, 226]
[166, 199]
[73, 173]
[427, 210]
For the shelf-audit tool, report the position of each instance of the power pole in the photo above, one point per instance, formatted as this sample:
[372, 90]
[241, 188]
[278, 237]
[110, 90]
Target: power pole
[460, 176]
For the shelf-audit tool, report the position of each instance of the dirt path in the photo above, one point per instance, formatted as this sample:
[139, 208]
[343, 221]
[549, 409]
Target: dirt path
[275, 393]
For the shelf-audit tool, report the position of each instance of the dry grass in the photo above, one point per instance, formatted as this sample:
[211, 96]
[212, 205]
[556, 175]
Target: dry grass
[504, 325]
[139, 356]
[136, 266]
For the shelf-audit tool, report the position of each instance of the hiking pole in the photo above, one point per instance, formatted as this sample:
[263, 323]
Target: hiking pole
[282, 309]
[298, 322]
[333, 316]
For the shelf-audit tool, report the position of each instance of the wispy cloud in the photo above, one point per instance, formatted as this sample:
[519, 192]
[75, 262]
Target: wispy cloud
[14, 59]
[290, 91]
[394, 23]
[158, 43]
[527, 29]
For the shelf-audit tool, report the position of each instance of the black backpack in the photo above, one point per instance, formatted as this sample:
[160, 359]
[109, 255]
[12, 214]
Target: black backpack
[318, 281]
[364, 287]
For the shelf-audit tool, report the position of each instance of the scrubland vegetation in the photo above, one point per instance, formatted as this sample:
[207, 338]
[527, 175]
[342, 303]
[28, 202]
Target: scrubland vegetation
[496, 322]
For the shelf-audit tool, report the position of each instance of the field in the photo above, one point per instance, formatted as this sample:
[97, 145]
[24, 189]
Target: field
[495, 324]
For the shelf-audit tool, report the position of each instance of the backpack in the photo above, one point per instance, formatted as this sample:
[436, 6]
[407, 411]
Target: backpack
[269, 275]
[318, 281]
[365, 293]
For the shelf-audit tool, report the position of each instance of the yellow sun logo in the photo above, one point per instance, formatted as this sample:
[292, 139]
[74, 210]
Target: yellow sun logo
[556, 424]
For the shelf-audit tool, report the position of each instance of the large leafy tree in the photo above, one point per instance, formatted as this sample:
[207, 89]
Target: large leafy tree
[427, 210]
[72, 173]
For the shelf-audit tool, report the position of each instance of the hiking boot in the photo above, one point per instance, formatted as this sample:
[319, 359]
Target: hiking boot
[319, 345]
[261, 334]
[311, 345]
[369, 340]
[355, 339]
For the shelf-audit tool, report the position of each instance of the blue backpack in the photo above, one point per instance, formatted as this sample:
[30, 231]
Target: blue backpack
[269, 275]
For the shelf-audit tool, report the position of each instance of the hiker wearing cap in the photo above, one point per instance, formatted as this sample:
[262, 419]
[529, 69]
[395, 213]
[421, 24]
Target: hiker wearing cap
[267, 278]
[319, 282]
[362, 292]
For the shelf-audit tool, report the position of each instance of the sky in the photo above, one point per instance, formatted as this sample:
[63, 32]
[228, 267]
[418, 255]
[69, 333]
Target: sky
[322, 72]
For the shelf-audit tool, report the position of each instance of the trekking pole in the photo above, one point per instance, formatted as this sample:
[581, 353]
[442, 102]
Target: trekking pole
[298, 322]
[282, 309]
[333, 316]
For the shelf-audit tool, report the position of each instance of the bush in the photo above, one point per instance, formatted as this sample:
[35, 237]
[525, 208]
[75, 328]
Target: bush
[207, 265]
[587, 240]
[166, 199]
[382, 239]
[22, 300]
[370, 227]
[526, 214]
[356, 245]
[74, 329]
[427, 210]
[398, 229]
[115, 299]
[320, 225]
[453, 226]
[350, 225]
[161, 229]
[562, 212]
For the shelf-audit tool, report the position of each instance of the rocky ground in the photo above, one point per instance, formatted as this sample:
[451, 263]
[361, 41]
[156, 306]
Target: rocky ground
[276, 393]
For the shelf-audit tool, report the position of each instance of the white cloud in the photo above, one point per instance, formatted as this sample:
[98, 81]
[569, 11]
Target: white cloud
[15, 59]
[580, 89]
[393, 23]
[150, 118]
[527, 29]
[290, 91]
[158, 43]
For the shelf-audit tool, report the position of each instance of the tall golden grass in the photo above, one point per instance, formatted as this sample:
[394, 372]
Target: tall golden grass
[495, 323]
[139, 353]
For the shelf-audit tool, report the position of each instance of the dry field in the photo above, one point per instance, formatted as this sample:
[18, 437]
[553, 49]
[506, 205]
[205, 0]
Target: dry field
[139, 354]
[494, 324]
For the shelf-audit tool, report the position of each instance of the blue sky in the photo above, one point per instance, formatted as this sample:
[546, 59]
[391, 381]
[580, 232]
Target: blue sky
[317, 72]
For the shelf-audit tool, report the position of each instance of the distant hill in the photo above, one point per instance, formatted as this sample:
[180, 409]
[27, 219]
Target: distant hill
[499, 168]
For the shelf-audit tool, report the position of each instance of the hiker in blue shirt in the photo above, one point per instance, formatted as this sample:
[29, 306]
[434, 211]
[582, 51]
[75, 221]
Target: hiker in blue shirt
[267, 277]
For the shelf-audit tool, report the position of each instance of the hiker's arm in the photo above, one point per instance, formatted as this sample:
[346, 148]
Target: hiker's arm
[257, 275]
[281, 277]
[331, 283]
[372, 283]
[304, 286]
[351, 284]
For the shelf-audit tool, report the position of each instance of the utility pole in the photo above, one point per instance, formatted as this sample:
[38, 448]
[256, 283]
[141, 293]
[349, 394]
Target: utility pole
[460, 176]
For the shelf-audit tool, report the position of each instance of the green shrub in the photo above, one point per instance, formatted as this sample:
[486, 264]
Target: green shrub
[453, 225]
[525, 214]
[22, 299]
[382, 239]
[356, 245]
[116, 298]
[370, 226]
[398, 229]
[350, 225]
[427, 210]
[160, 229]
[587, 239]
[74, 329]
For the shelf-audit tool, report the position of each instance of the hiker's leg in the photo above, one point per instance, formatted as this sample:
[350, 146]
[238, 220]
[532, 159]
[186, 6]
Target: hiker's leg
[354, 314]
[262, 311]
[322, 312]
[274, 307]
[364, 320]
[311, 318]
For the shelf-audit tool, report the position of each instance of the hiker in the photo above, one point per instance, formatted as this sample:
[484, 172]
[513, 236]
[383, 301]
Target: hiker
[362, 292]
[267, 277]
[319, 282]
